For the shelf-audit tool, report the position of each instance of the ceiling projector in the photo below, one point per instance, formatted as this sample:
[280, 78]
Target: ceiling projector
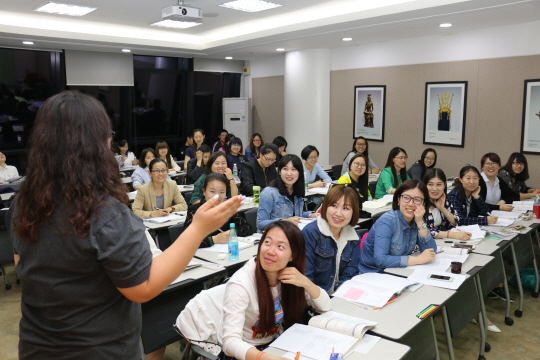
[181, 13]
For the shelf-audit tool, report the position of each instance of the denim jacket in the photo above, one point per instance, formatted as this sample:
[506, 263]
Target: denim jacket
[321, 255]
[273, 207]
[389, 243]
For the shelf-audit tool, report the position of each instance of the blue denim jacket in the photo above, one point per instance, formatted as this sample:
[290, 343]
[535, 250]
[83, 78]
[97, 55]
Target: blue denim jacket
[321, 252]
[273, 207]
[389, 243]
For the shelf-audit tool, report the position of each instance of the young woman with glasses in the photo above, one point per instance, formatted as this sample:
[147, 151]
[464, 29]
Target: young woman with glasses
[155, 198]
[310, 155]
[358, 177]
[260, 171]
[495, 192]
[393, 174]
[466, 204]
[141, 174]
[360, 147]
[254, 148]
[515, 173]
[427, 161]
[395, 235]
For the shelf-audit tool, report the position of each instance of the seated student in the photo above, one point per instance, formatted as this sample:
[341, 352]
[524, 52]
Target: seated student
[260, 171]
[235, 154]
[221, 141]
[217, 163]
[281, 143]
[163, 152]
[395, 235]
[514, 174]
[268, 294]
[358, 178]
[6, 171]
[128, 158]
[439, 219]
[360, 147]
[195, 166]
[140, 176]
[216, 184]
[332, 244]
[187, 145]
[283, 198]
[310, 154]
[155, 198]
[198, 140]
[393, 174]
[225, 148]
[466, 204]
[496, 193]
[254, 148]
[428, 159]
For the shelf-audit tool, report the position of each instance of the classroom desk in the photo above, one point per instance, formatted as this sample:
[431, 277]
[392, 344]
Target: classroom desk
[14, 185]
[231, 265]
[182, 188]
[384, 349]
[398, 321]
[160, 313]
[6, 196]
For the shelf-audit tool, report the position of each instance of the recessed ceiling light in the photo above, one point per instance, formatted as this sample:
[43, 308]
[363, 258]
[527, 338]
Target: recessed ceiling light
[250, 5]
[65, 9]
[175, 24]
[445, 25]
[228, 58]
[347, 39]
[280, 49]
[126, 50]
[28, 43]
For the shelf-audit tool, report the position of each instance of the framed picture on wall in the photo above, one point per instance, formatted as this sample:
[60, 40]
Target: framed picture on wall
[530, 128]
[444, 113]
[369, 107]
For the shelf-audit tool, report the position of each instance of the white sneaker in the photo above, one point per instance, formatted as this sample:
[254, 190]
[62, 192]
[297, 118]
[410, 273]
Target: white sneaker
[494, 328]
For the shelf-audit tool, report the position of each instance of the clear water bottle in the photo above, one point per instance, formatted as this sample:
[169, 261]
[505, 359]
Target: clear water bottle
[306, 185]
[256, 195]
[235, 174]
[120, 162]
[233, 243]
[536, 206]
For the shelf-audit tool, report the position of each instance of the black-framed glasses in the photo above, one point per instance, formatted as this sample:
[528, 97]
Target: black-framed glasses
[164, 171]
[416, 200]
[271, 161]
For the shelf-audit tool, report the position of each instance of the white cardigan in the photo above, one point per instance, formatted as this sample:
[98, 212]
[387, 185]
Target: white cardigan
[241, 311]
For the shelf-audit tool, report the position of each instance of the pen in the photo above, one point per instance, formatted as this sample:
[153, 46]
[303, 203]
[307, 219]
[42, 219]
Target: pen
[448, 242]
[297, 356]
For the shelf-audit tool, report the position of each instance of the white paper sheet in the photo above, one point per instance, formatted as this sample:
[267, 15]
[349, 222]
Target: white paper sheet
[441, 263]
[506, 214]
[224, 248]
[504, 222]
[389, 197]
[163, 219]
[421, 276]
[367, 343]
[373, 205]
[304, 222]
[313, 342]
[475, 230]
[319, 190]
[522, 208]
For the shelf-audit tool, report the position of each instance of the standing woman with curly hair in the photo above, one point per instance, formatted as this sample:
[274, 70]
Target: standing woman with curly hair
[82, 255]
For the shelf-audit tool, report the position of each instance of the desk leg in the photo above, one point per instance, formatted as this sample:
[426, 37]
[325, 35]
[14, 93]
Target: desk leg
[518, 312]
[448, 335]
[535, 267]
[481, 325]
[435, 339]
[507, 319]
[478, 284]
[153, 234]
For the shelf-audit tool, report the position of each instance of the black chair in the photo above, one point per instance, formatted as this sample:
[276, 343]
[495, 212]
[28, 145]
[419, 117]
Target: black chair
[175, 231]
[251, 217]
[378, 215]
[6, 248]
[336, 171]
[372, 186]
[187, 196]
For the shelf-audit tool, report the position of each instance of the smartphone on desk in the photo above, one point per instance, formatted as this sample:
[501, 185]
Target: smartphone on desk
[464, 246]
[440, 277]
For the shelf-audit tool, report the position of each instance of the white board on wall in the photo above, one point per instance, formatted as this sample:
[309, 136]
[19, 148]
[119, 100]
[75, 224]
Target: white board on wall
[91, 68]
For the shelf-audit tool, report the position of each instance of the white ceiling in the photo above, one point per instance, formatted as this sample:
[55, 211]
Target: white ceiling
[298, 24]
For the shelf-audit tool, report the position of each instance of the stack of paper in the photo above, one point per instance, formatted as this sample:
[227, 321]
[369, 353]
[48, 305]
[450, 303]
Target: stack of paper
[523, 205]
[475, 230]
[304, 222]
[504, 222]
[506, 214]
[163, 219]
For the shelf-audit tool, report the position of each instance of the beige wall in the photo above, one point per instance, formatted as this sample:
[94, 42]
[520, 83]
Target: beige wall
[268, 107]
[493, 119]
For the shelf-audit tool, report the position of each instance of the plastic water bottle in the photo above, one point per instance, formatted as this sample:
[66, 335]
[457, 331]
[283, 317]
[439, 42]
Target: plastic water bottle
[235, 174]
[306, 185]
[536, 206]
[120, 162]
[233, 243]
[256, 195]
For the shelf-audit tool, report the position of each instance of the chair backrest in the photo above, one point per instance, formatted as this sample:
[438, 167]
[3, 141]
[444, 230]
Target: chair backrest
[377, 216]
[251, 217]
[187, 196]
[175, 231]
[336, 171]
[372, 186]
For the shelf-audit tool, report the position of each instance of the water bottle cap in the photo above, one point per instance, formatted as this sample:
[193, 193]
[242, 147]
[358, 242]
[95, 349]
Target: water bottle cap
[233, 225]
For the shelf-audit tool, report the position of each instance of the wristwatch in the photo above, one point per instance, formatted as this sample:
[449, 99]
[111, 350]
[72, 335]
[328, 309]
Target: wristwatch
[424, 225]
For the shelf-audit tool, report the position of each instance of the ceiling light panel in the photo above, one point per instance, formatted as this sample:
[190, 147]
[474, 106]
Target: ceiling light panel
[65, 9]
[250, 5]
[175, 24]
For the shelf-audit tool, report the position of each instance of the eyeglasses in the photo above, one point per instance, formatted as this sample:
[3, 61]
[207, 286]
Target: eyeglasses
[271, 161]
[518, 163]
[361, 145]
[402, 157]
[416, 200]
[358, 165]
[256, 140]
[312, 158]
[490, 164]
[164, 171]
[113, 134]
[206, 158]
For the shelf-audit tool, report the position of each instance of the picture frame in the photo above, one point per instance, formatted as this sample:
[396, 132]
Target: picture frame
[369, 112]
[530, 126]
[445, 110]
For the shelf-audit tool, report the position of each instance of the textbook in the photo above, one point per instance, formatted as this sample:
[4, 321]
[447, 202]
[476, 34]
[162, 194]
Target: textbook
[341, 323]
[252, 239]
[372, 289]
